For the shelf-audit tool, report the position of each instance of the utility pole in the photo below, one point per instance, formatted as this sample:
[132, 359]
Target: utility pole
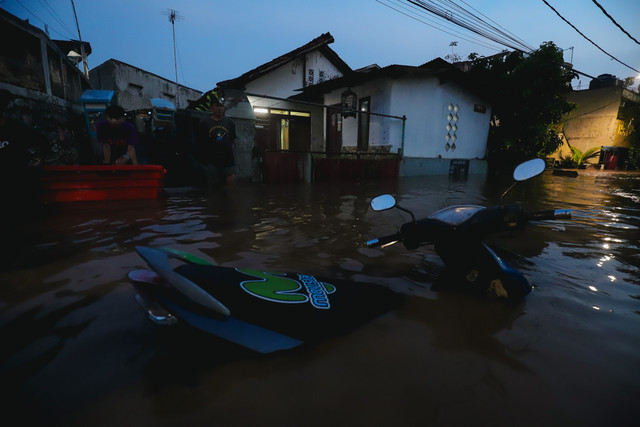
[569, 48]
[174, 15]
[85, 66]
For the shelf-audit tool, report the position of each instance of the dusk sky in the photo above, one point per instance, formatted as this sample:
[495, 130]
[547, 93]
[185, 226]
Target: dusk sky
[218, 40]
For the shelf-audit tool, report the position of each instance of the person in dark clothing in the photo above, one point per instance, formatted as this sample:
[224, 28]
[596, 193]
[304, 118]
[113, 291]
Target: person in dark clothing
[118, 137]
[214, 147]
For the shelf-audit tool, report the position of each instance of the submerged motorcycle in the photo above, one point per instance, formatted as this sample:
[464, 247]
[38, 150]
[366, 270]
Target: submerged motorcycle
[457, 233]
[270, 311]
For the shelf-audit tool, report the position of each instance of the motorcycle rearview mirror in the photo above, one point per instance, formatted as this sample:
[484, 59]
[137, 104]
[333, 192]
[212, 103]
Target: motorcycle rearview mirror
[383, 202]
[387, 201]
[526, 170]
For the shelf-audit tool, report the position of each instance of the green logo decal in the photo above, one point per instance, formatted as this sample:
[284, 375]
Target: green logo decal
[273, 287]
[276, 287]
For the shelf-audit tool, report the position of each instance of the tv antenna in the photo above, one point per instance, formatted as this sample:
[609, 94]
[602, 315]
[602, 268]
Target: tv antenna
[174, 16]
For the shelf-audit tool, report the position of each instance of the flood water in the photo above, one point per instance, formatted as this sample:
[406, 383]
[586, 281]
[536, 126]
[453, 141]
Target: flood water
[76, 349]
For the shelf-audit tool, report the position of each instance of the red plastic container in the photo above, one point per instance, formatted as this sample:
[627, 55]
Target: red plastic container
[101, 182]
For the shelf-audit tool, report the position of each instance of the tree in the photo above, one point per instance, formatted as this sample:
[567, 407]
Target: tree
[453, 57]
[527, 94]
[627, 82]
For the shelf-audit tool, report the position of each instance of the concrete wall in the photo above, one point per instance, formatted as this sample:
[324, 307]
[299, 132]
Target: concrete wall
[284, 81]
[420, 166]
[435, 111]
[426, 103]
[601, 118]
[34, 67]
[133, 88]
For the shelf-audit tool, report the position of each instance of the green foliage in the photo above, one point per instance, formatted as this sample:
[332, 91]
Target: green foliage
[527, 93]
[578, 157]
[634, 149]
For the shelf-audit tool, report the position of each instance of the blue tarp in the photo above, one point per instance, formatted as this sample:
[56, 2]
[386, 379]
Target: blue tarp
[162, 103]
[96, 96]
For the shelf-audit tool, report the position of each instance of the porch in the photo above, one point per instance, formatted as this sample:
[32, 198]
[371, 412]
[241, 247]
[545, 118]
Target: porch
[301, 166]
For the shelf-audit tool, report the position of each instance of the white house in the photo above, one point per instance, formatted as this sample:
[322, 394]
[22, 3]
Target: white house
[283, 124]
[446, 121]
[309, 105]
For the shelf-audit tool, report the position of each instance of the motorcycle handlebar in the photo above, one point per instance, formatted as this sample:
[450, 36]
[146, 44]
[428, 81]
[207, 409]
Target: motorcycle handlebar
[549, 214]
[427, 230]
[385, 240]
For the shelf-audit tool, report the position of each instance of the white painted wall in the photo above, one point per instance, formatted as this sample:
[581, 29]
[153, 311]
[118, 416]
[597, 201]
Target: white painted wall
[424, 101]
[382, 130]
[284, 81]
[280, 82]
[323, 69]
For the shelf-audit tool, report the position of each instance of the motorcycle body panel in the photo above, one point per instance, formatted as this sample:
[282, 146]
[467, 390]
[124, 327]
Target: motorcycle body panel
[277, 310]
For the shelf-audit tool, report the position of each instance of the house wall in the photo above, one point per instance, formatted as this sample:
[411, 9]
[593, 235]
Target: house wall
[284, 82]
[40, 88]
[133, 88]
[34, 67]
[383, 131]
[280, 82]
[432, 107]
[425, 103]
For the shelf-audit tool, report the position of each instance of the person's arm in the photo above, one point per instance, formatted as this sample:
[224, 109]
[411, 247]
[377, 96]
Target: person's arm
[132, 140]
[132, 154]
[106, 151]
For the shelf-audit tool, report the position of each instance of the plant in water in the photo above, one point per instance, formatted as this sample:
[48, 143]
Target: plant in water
[578, 157]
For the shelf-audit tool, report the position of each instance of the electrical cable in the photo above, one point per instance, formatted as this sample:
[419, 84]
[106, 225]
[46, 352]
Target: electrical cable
[53, 13]
[478, 42]
[481, 24]
[500, 26]
[448, 15]
[39, 19]
[588, 39]
[614, 21]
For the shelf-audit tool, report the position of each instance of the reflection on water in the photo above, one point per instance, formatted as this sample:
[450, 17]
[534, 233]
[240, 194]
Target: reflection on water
[78, 351]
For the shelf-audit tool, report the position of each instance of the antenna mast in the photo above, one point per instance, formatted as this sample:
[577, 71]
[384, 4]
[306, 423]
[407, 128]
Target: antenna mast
[174, 16]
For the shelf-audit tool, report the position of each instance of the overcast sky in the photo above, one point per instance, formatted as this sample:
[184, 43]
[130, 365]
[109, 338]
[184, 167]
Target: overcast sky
[218, 40]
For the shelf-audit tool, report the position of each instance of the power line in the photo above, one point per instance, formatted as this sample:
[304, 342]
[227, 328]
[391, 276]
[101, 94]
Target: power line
[479, 23]
[614, 21]
[53, 13]
[480, 27]
[39, 19]
[412, 14]
[507, 31]
[587, 38]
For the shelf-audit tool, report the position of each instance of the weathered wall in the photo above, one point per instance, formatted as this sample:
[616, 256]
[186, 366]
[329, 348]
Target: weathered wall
[133, 88]
[594, 121]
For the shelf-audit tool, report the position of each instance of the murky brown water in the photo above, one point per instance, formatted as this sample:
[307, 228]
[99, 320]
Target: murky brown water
[76, 349]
